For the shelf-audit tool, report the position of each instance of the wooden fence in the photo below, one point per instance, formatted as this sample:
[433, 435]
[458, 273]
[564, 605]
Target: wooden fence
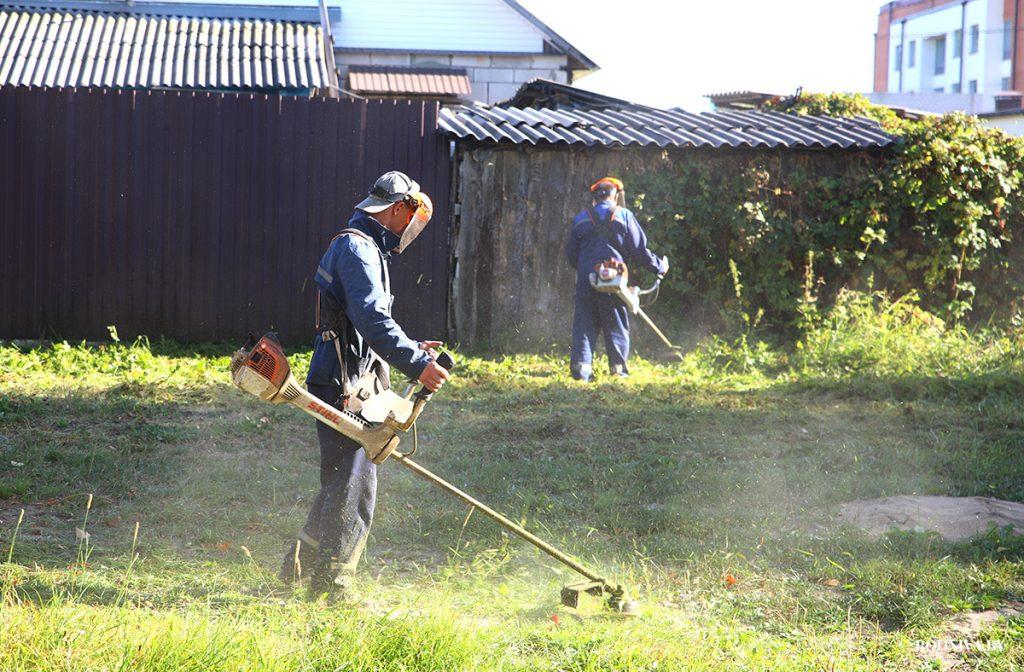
[200, 216]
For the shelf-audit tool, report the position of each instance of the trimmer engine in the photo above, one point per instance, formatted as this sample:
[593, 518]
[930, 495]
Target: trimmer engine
[612, 277]
[261, 369]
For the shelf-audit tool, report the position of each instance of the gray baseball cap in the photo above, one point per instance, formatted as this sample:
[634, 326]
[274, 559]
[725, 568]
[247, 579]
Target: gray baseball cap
[390, 188]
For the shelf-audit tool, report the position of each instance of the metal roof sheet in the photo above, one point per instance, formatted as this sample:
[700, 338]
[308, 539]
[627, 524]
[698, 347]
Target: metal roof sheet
[63, 47]
[399, 81]
[593, 120]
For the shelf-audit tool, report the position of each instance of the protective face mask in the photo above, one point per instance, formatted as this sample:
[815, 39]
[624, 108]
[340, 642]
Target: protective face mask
[417, 224]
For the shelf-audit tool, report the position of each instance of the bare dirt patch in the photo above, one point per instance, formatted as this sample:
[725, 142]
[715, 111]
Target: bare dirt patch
[961, 641]
[954, 518]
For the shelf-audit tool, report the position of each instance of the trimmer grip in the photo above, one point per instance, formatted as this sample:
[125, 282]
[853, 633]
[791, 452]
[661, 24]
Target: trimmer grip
[444, 360]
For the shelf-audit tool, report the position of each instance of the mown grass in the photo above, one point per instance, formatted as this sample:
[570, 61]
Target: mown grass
[708, 486]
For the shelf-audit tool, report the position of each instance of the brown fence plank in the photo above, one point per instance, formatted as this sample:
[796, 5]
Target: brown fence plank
[196, 216]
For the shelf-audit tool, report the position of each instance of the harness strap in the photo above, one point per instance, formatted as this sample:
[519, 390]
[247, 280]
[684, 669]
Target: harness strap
[602, 226]
[331, 334]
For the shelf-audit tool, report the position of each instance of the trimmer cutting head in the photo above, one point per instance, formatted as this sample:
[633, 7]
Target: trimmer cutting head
[617, 600]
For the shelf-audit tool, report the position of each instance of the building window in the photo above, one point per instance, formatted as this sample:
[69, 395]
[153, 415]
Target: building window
[1007, 39]
[940, 56]
[972, 86]
[898, 60]
[912, 54]
[958, 43]
[975, 38]
[938, 89]
[1004, 84]
[954, 88]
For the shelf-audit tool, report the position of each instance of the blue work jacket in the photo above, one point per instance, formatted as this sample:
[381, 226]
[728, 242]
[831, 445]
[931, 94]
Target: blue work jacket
[623, 240]
[354, 273]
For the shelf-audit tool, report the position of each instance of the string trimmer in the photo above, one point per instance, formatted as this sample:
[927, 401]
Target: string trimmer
[612, 277]
[261, 369]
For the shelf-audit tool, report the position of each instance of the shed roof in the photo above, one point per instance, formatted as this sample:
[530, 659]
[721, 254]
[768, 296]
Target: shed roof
[68, 47]
[561, 114]
[403, 81]
[742, 100]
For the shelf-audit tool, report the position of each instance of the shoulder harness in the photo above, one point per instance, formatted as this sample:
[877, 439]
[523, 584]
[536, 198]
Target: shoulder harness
[337, 331]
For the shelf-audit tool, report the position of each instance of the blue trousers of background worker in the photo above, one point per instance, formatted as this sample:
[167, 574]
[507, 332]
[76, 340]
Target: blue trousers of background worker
[339, 520]
[597, 312]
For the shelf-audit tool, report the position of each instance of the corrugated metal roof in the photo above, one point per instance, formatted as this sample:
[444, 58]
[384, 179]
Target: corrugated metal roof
[55, 47]
[388, 80]
[580, 120]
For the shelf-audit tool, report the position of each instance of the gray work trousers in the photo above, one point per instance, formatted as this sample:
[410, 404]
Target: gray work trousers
[339, 520]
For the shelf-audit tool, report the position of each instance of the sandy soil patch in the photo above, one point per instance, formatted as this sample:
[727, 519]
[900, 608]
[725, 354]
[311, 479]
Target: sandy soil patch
[954, 518]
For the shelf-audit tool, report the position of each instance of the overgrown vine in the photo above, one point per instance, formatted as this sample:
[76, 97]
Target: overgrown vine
[937, 213]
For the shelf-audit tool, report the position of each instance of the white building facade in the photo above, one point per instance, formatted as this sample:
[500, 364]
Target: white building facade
[925, 48]
[497, 42]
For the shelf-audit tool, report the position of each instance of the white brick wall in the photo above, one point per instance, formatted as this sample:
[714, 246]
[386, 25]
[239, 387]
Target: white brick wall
[511, 61]
[505, 75]
[390, 59]
[431, 60]
[345, 58]
[497, 92]
[547, 62]
[460, 61]
[527, 75]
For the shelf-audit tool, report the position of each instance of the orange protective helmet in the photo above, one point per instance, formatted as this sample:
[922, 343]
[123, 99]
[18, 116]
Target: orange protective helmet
[613, 181]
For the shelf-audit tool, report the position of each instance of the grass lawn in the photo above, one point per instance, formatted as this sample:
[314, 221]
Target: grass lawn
[709, 487]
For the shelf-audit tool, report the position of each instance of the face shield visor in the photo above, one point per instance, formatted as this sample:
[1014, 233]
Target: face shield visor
[424, 210]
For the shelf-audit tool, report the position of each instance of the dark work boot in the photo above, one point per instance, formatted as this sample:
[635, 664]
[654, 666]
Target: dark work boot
[328, 582]
[298, 562]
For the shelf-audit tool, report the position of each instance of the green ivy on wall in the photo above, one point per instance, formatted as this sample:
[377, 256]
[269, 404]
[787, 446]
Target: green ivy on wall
[782, 232]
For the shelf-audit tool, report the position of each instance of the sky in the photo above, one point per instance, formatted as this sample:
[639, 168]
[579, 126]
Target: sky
[672, 53]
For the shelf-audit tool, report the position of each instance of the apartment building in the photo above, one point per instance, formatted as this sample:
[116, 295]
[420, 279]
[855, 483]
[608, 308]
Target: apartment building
[940, 55]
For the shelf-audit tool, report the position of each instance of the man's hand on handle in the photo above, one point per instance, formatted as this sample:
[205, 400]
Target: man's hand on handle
[435, 375]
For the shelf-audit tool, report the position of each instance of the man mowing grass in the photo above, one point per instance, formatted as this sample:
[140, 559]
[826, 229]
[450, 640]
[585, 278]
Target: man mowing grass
[356, 341]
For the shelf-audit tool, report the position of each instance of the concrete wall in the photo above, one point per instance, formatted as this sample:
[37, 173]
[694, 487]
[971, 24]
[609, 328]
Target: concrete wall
[1012, 125]
[512, 284]
[494, 77]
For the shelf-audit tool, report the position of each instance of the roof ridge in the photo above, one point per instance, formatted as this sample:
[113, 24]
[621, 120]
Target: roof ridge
[213, 11]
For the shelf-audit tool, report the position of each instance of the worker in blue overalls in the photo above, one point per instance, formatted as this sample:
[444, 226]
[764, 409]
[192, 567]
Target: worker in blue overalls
[605, 230]
[356, 341]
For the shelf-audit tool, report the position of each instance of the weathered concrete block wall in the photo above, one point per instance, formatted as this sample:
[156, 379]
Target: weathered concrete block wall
[513, 285]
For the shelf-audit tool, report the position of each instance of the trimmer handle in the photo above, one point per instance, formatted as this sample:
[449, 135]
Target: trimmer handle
[652, 288]
[445, 360]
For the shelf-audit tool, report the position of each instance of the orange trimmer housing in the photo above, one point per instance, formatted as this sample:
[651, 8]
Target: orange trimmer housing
[261, 368]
